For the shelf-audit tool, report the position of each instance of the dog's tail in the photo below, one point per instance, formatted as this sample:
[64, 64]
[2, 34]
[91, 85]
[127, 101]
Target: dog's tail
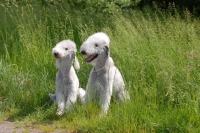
[52, 97]
[76, 63]
[126, 95]
[81, 94]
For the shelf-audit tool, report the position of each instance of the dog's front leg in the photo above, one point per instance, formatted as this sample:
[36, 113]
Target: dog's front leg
[89, 94]
[71, 99]
[105, 97]
[104, 102]
[60, 99]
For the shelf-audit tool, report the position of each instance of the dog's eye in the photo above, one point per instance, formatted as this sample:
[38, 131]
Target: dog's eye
[96, 45]
[66, 48]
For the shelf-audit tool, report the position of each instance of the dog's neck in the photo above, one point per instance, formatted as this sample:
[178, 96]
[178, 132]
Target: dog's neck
[103, 65]
[64, 65]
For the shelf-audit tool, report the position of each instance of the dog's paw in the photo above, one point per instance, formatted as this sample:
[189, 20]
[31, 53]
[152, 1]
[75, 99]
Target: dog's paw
[101, 115]
[60, 112]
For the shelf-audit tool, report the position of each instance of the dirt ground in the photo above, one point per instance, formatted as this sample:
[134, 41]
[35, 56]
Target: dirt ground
[12, 127]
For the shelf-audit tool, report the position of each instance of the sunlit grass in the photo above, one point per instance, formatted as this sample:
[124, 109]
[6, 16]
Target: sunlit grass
[156, 52]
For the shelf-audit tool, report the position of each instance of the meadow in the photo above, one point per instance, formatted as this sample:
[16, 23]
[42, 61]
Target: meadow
[157, 52]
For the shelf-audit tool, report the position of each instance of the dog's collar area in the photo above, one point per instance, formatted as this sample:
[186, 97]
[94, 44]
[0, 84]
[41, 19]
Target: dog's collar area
[91, 57]
[99, 69]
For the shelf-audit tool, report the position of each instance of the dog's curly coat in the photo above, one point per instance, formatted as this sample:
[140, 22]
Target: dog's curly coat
[67, 83]
[105, 79]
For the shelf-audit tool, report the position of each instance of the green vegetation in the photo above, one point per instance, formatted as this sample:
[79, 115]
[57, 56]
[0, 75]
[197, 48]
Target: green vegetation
[157, 52]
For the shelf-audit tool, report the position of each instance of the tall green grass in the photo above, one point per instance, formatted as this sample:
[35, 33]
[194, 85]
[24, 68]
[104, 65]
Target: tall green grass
[157, 53]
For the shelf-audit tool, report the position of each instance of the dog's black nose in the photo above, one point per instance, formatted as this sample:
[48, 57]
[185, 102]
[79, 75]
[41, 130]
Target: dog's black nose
[56, 54]
[83, 52]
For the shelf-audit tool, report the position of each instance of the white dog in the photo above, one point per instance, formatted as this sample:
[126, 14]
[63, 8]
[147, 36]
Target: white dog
[67, 83]
[105, 79]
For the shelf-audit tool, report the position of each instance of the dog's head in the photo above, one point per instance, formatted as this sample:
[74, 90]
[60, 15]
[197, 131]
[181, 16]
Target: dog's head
[64, 49]
[95, 46]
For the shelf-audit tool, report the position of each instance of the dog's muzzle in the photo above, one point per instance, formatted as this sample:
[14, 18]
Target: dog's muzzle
[55, 54]
[89, 57]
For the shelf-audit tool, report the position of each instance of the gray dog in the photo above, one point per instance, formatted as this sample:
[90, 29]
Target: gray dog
[105, 79]
[67, 83]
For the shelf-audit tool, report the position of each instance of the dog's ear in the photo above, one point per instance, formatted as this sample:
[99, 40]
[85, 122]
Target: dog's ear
[76, 63]
[107, 51]
[72, 55]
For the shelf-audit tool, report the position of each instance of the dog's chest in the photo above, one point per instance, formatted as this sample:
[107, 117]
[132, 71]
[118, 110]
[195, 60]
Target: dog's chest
[98, 82]
[64, 79]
